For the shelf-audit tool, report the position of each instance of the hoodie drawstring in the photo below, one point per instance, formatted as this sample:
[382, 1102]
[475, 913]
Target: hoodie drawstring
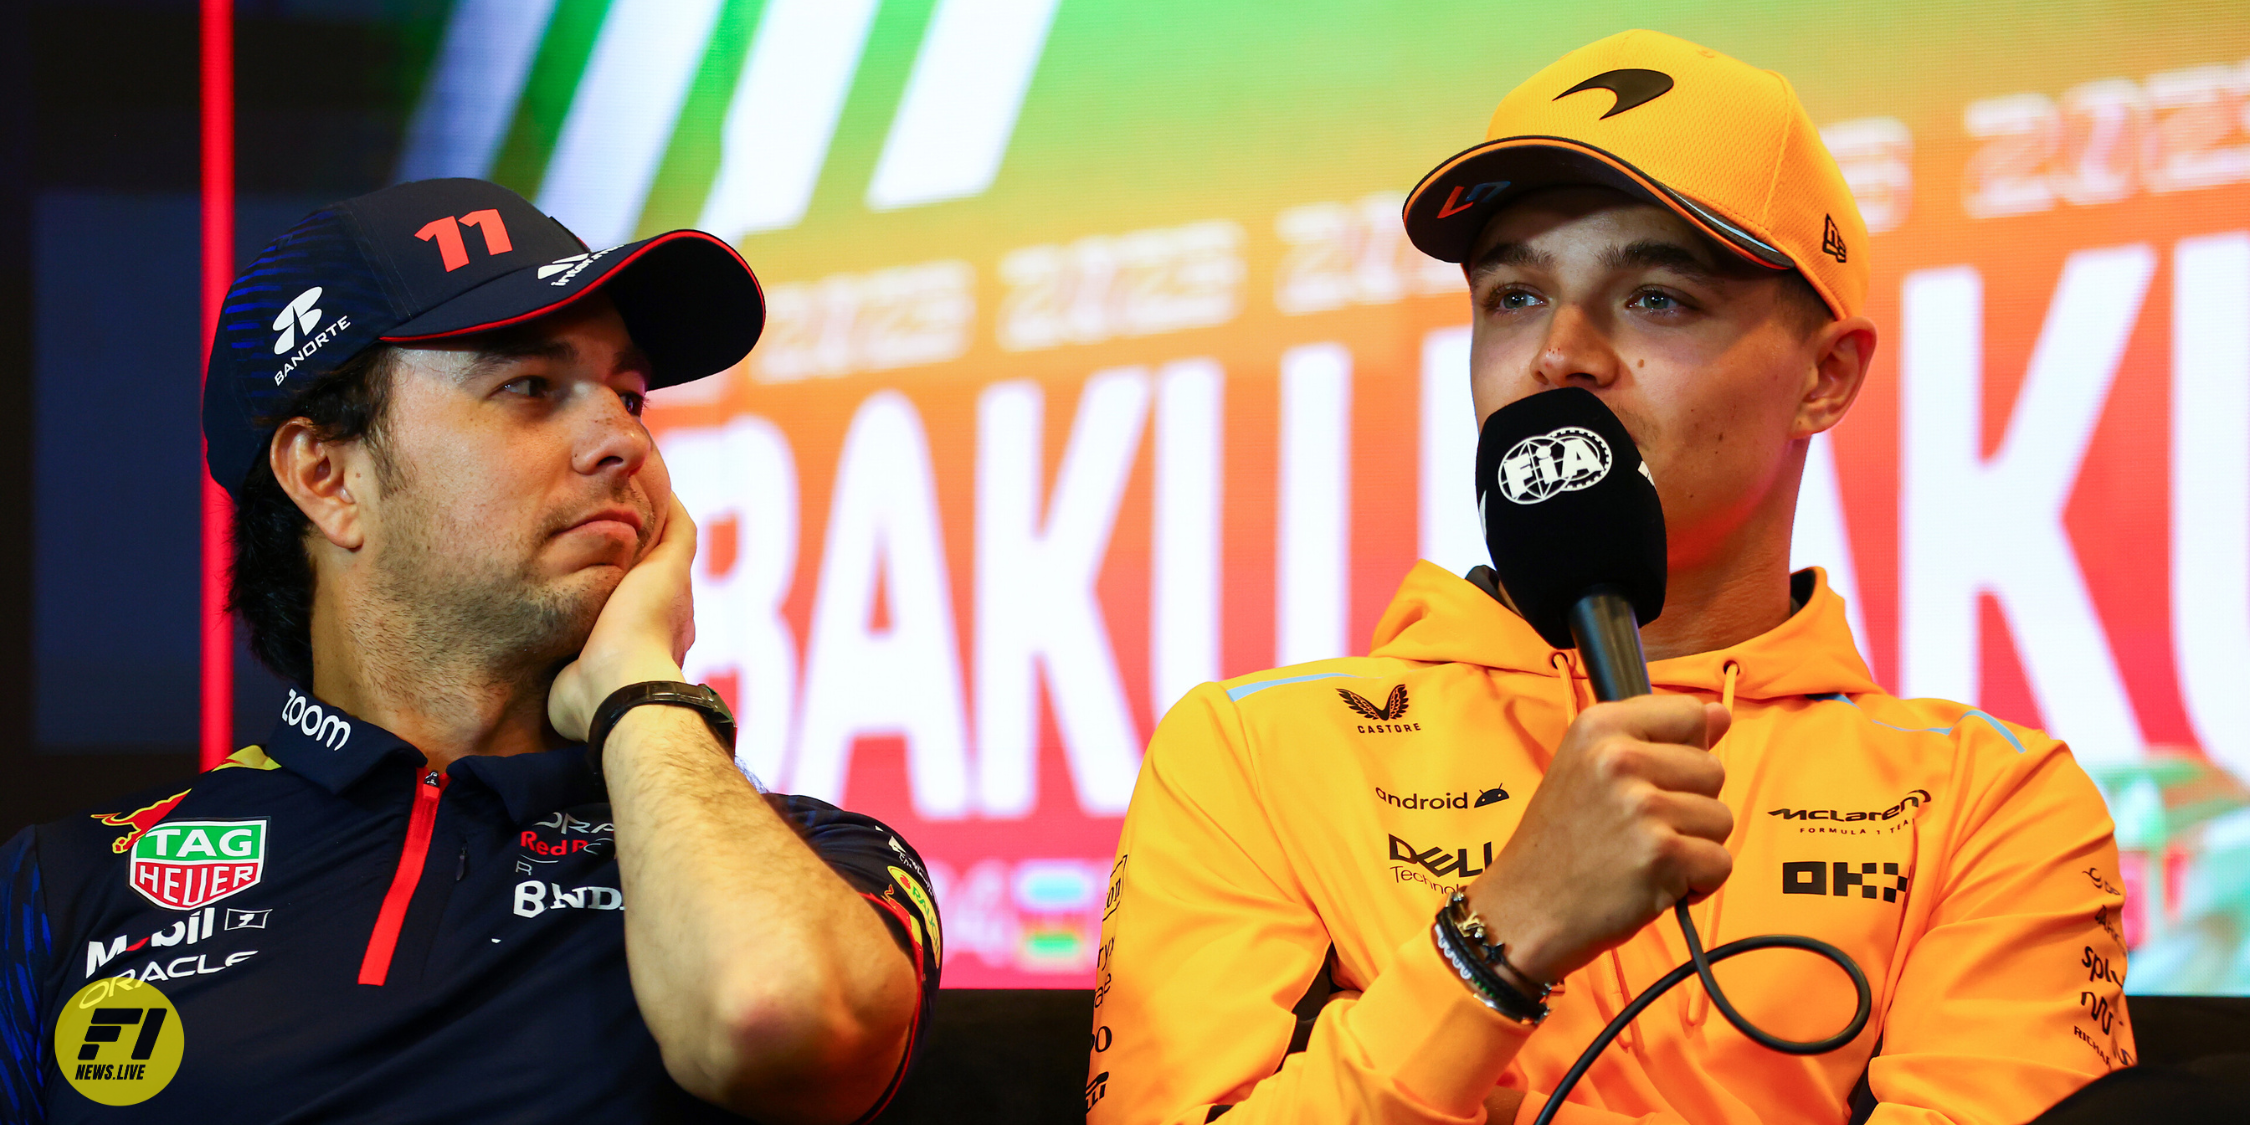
[1699, 1001]
[1560, 662]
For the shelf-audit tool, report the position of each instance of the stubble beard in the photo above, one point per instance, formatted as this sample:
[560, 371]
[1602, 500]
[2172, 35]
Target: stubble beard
[488, 616]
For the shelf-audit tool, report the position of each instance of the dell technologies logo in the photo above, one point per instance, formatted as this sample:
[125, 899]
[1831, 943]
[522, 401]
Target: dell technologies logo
[1564, 459]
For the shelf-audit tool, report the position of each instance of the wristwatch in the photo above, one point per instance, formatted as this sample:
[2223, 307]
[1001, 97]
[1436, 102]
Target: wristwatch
[671, 693]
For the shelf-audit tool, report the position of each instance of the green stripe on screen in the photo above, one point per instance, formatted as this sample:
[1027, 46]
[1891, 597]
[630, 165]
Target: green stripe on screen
[691, 158]
[521, 162]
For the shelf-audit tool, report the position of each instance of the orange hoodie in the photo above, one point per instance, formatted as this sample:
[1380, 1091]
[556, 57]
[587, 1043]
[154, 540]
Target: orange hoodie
[1300, 826]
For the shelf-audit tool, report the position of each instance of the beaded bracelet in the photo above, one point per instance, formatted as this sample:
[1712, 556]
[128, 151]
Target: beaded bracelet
[1472, 929]
[1478, 977]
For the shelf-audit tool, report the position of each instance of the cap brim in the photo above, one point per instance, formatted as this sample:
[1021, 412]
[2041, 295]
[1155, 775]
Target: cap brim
[689, 300]
[1446, 212]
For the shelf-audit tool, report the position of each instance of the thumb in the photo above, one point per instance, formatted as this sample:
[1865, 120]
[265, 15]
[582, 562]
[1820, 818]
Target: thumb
[1716, 722]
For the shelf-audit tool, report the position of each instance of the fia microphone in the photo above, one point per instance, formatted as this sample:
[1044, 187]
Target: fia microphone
[1575, 529]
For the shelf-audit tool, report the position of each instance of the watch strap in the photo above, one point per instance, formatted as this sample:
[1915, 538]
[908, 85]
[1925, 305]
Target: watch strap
[670, 693]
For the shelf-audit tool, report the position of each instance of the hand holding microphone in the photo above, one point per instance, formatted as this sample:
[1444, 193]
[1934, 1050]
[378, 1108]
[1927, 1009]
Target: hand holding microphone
[1627, 821]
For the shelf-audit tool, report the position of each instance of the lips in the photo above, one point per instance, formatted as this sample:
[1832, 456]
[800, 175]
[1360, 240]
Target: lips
[626, 516]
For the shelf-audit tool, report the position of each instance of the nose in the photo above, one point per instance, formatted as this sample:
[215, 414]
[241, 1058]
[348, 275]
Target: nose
[611, 439]
[1577, 351]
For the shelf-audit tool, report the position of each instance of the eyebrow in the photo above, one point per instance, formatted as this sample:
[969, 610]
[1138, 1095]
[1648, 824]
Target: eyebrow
[503, 352]
[1509, 254]
[1648, 253]
[1652, 253]
[559, 351]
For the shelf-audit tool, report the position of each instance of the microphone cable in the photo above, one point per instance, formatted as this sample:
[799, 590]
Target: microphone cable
[1699, 965]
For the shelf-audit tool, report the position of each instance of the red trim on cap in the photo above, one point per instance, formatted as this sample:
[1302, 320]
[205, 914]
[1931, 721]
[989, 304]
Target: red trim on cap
[591, 287]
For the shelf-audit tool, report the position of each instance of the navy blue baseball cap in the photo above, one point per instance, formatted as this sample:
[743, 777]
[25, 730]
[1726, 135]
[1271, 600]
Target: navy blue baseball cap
[435, 259]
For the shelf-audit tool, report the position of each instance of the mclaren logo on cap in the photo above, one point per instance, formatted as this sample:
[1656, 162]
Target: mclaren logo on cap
[1632, 87]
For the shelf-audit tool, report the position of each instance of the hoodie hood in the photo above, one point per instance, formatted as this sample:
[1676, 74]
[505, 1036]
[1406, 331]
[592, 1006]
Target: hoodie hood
[1439, 617]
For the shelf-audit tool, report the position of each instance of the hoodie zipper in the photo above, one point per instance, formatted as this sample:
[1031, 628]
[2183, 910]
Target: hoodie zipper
[375, 967]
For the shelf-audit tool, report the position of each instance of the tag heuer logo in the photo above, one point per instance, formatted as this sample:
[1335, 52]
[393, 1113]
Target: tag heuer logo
[189, 864]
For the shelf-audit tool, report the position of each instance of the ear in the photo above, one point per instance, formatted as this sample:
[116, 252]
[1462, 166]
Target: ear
[1842, 352]
[317, 474]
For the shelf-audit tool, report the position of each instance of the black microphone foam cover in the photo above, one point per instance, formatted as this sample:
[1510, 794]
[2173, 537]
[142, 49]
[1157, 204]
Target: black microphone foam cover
[1568, 506]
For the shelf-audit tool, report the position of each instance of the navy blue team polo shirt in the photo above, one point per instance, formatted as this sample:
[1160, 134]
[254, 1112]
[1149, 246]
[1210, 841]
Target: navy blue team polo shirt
[348, 935]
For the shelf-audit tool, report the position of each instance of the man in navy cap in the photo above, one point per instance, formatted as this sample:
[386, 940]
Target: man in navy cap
[494, 862]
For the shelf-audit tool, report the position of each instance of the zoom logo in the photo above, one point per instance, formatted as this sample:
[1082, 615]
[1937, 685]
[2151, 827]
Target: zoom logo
[314, 721]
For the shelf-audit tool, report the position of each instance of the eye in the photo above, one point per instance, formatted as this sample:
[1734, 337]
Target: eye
[1512, 300]
[635, 402]
[530, 386]
[1655, 300]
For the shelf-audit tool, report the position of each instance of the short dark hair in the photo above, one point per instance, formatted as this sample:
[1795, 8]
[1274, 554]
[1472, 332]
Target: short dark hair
[1809, 308]
[271, 584]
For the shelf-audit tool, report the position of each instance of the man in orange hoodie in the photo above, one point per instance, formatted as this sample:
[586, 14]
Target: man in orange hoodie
[1659, 224]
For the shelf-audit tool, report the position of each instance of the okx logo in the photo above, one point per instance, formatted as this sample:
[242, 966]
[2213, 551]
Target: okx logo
[1838, 880]
[299, 315]
[189, 864]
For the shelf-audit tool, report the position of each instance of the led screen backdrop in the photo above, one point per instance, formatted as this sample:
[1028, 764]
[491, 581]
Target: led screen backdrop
[1098, 367]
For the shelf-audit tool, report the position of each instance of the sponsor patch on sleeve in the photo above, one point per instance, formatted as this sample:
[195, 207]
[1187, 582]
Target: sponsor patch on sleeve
[923, 906]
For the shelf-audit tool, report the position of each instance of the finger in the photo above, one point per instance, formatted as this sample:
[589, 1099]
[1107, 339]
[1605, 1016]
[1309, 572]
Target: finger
[1652, 718]
[677, 542]
[1717, 720]
[1702, 867]
[1680, 768]
[1690, 815]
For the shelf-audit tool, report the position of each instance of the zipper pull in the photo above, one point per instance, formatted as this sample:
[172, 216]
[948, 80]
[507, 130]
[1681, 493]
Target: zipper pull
[431, 778]
[461, 870]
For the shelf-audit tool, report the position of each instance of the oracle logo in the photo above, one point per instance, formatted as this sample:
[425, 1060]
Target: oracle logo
[298, 315]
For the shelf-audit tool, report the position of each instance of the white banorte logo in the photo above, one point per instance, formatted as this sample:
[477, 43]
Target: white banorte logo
[1561, 460]
[298, 315]
[317, 724]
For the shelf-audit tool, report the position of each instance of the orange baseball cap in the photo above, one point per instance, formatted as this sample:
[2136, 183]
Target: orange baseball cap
[1725, 144]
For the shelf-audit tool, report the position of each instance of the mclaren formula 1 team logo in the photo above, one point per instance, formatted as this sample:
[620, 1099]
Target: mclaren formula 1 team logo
[189, 864]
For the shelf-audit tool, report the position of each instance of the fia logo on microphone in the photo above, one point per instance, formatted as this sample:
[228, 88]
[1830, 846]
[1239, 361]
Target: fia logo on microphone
[1564, 459]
